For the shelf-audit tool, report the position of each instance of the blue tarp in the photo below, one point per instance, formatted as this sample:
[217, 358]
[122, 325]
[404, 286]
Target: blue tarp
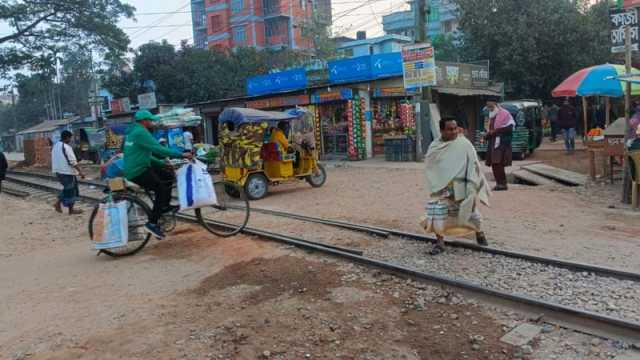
[239, 116]
[277, 82]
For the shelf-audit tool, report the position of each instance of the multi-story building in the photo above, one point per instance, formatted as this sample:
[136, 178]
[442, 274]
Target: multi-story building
[378, 45]
[262, 24]
[442, 19]
[199, 23]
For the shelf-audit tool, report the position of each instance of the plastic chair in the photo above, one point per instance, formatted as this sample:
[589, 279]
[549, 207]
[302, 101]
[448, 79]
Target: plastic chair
[634, 164]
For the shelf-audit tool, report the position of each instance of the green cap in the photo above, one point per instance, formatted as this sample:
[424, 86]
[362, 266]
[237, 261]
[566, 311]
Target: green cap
[145, 115]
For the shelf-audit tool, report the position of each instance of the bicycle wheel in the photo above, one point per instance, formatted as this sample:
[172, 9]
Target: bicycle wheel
[231, 214]
[138, 215]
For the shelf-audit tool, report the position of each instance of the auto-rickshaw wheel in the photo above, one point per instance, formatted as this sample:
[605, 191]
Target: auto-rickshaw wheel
[256, 186]
[317, 180]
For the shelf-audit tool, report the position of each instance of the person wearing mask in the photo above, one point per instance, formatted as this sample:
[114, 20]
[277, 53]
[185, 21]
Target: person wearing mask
[3, 168]
[456, 184]
[64, 165]
[144, 165]
[499, 152]
[567, 121]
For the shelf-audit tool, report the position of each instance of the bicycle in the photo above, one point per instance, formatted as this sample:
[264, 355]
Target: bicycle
[227, 218]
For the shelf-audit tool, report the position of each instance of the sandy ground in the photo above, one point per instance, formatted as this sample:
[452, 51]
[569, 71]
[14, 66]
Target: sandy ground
[195, 296]
[199, 297]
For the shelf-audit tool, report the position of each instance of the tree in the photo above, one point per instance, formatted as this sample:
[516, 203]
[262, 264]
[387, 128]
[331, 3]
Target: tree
[533, 47]
[188, 75]
[43, 27]
[446, 48]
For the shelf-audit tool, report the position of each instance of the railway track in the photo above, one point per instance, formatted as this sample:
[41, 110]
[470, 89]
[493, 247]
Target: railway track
[581, 318]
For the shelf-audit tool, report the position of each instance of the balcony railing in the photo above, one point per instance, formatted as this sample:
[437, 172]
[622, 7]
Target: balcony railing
[275, 8]
[278, 40]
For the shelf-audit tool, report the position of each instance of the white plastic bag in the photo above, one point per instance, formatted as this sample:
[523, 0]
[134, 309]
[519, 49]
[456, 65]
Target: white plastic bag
[195, 186]
[111, 228]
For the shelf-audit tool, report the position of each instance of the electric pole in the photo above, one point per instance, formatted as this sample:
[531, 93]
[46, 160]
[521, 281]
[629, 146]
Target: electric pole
[424, 98]
[626, 183]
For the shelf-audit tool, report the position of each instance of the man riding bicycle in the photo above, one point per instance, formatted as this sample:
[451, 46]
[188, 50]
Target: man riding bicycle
[144, 166]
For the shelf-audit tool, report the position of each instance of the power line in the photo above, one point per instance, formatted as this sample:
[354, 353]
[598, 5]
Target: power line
[158, 21]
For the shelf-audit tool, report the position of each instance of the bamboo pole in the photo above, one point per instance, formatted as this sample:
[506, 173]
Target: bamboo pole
[607, 107]
[584, 117]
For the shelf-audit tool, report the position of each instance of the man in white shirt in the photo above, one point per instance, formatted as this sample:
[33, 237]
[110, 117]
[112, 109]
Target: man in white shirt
[65, 166]
[188, 140]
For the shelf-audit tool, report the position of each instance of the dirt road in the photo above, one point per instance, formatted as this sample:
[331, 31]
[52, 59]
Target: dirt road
[195, 296]
[199, 297]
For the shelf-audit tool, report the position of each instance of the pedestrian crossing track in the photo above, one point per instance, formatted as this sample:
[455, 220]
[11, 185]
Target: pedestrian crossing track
[588, 298]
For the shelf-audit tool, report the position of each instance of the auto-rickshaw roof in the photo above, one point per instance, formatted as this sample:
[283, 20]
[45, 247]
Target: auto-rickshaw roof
[239, 116]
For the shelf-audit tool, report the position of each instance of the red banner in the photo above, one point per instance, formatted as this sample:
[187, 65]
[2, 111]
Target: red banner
[631, 3]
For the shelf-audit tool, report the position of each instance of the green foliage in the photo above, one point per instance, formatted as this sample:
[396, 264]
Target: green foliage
[39, 29]
[446, 48]
[188, 75]
[69, 89]
[533, 47]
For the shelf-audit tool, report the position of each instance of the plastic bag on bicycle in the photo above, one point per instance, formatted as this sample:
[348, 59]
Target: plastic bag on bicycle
[195, 186]
[111, 226]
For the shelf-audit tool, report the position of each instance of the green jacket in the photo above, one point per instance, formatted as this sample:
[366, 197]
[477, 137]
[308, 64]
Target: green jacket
[142, 150]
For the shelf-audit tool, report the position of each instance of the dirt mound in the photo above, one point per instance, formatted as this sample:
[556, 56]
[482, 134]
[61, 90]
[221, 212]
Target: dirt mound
[286, 274]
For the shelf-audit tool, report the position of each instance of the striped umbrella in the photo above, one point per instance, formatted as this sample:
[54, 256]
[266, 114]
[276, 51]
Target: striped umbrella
[596, 80]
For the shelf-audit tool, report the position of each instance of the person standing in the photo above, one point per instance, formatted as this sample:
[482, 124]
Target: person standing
[65, 166]
[567, 122]
[3, 168]
[499, 154]
[553, 112]
[455, 183]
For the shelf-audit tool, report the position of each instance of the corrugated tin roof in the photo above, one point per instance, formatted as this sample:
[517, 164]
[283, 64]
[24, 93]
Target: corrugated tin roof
[45, 126]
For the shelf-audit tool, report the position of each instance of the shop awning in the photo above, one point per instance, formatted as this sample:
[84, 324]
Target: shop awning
[466, 92]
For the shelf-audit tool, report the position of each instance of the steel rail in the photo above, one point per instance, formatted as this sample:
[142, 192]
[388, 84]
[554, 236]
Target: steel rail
[595, 322]
[384, 232]
[247, 230]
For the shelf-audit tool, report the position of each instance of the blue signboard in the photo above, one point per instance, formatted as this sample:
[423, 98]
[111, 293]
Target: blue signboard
[386, 65]
[277, 82]
[348, 70]
[340, 95]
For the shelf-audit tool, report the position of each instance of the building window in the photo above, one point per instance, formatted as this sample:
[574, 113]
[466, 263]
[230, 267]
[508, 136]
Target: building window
[239, 36]
[449, 26]
[237, 6]
[215, 23]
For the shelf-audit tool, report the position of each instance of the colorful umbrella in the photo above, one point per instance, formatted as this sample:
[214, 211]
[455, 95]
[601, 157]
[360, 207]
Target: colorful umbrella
[595, 80]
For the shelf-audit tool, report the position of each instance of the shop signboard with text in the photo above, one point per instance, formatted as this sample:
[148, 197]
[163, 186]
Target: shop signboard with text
[330, 96]
[350, 70]
[282, 81]
[619, 19]
[147, 101]
[278, 102]
[418, 66]
[386, 65]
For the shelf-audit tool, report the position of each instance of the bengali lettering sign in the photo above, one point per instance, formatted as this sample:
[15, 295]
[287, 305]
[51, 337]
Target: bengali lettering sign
[619, 19]
[418, 66]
